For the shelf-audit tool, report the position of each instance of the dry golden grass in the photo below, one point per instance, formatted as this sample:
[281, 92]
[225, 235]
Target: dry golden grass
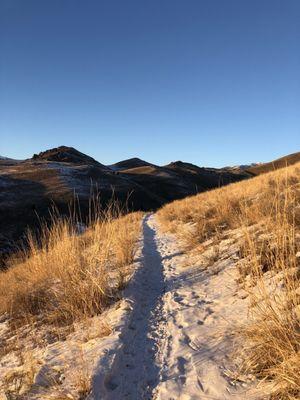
[82, 376]
[273, 337]
[17, 382]
[62, 277]
[267, 210]
[65, 276]
[217, 210]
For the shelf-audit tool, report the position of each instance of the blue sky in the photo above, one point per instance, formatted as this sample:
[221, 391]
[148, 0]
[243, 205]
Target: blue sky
[211, 82]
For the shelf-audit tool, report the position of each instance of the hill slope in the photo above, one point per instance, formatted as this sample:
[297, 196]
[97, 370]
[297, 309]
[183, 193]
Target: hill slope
[65, 154]
[276, 164]
[130, 163]
[249, 230]
[221, 295]
[29, 188]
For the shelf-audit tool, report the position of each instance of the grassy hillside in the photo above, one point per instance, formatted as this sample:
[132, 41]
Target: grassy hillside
[265, 211]
[61, 301]
[29, 188]
[66, 276]
[276, 164]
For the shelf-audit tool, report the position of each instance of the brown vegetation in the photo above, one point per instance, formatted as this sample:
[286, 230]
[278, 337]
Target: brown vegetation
[266, 209]
[65, 276]
[275, 164]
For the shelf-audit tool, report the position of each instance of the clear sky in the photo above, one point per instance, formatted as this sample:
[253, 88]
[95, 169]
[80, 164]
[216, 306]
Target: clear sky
[213, 82]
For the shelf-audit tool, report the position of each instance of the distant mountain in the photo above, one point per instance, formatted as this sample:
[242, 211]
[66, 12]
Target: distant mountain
[8, 161]
[241, 167]
[175, 180]
[130, 163]
[65, 154]
[276, 164]
[205, 178]
[245, 167]
[60, 177]
[29, 188]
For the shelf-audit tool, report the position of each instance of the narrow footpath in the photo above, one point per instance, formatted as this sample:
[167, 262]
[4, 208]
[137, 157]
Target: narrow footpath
[178, 342]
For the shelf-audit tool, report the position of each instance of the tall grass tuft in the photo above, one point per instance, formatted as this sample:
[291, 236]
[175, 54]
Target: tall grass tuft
[273, 335]
[64, 275]
[266, 210]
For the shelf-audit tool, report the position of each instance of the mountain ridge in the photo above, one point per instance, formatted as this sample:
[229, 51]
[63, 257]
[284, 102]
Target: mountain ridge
[281, 162]
[30, 188]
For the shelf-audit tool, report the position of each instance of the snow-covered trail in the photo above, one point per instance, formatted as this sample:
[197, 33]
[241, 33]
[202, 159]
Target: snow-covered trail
[178, 340]
[135, 372]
